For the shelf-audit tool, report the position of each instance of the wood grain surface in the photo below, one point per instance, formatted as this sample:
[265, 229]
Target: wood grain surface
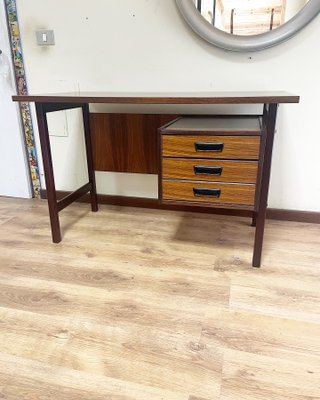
[231, 171]
[126, 142]
[163, 97]
[234, 147]
[140, 304]
[230, 193]
[218, 125]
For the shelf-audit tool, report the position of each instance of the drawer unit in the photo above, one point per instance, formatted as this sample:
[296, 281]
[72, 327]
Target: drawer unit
[211, 161]
[224, 147]
[210, 170]
[208, 192]
[219, 162]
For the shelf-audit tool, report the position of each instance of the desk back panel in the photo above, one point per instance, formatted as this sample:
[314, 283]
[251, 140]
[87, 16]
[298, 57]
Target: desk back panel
[127, 142]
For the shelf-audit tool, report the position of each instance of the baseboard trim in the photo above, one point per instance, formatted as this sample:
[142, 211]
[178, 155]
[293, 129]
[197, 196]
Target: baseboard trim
[141, 202]
[308, 217]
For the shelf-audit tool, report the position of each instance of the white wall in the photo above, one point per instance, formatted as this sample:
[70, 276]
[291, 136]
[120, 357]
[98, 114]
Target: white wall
[14, 175]
[293, 7]
[144, 45]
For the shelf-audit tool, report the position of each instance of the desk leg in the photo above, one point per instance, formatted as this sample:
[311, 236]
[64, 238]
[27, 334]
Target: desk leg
[254, 220]
[87, 135]
[269, 123]
[55, 206]
[48, 172]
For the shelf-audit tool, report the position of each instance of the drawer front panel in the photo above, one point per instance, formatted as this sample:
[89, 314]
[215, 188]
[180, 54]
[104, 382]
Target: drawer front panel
[230, 147]
[208, 192]
[209, 170]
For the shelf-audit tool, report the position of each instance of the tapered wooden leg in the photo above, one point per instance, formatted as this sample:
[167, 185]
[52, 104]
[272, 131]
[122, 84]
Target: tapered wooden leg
[258, 241]
[48, 172]
[87, 135]
[269, 123]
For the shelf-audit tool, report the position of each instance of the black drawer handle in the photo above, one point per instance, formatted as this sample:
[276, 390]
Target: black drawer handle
[215, 193]
[216, 171]
[214, 147]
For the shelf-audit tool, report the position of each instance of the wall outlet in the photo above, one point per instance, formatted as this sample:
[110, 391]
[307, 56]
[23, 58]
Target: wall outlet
[45, 37]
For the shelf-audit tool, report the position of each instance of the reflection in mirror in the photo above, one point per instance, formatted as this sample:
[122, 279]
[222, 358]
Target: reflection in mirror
[248, 17]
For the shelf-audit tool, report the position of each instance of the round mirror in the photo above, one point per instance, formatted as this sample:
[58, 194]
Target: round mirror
[247, 25]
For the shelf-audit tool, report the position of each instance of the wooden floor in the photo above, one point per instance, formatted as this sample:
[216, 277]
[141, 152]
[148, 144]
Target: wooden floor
[156, 305]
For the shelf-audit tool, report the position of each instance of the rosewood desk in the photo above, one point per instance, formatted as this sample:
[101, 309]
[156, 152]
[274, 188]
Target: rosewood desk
[235, 160]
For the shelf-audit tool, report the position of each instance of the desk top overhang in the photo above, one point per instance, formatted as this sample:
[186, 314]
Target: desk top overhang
[266, 97]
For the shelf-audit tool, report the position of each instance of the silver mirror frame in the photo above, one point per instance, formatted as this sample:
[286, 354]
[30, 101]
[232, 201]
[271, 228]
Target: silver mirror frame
[247, 43]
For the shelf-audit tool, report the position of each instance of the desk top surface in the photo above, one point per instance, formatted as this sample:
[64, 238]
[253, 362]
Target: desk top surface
[270, 97]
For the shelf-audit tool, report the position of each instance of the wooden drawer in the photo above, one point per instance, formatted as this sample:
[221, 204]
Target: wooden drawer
[210, 170]
[208, 192]
[229, 147]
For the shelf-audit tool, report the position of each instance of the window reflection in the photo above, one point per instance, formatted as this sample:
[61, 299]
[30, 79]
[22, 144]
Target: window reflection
[248, 17]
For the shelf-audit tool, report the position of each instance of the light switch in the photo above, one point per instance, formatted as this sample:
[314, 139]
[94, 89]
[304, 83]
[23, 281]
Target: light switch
[45, 37]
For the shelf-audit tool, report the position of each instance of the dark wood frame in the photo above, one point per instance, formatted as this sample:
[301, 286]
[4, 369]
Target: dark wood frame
[55, 206]
[277, 214]
[268, 127]
[50, 103]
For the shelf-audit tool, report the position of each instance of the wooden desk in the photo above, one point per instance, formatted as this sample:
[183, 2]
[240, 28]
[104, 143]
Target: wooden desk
[46, 103]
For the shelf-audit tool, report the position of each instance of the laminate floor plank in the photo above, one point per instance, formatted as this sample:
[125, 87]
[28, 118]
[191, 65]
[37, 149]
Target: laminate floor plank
[248, 376]
[150, 304]
[290, 300]
[285, 339]
[159, 358]
[70, 382]
[97, 305]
